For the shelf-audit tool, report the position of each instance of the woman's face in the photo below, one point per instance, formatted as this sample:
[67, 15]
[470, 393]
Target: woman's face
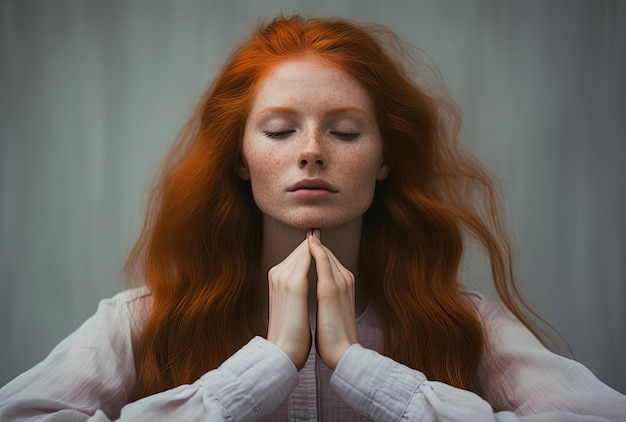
[311, 147]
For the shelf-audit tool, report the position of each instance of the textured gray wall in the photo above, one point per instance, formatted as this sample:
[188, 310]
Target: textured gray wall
[92, 93]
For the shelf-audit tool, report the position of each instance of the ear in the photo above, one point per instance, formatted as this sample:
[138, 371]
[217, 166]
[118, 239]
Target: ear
[242, 170]
[383, 171]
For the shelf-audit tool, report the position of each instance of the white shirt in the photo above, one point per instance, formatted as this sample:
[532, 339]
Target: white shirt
[91, 375]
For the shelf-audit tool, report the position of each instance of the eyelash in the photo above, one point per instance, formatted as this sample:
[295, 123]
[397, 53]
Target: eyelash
[341, 135]
[279, 135]
[346, 136]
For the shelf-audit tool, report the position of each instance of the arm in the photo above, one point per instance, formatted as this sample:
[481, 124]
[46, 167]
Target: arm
[91, 374]
[247, 386]
[531, 383]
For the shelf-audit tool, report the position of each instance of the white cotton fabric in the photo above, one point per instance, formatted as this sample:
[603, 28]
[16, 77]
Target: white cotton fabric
[90, 376]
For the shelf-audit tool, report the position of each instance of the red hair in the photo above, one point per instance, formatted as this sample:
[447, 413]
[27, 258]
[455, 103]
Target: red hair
[200, 245]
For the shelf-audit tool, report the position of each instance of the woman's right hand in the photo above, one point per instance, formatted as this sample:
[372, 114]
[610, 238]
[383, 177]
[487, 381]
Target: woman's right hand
[288, 324]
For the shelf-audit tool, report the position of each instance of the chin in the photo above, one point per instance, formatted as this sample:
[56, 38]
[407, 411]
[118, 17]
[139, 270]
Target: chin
[312, 219]
[322, 223]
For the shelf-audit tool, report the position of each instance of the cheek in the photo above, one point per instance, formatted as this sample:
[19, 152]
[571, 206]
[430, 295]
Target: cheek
[365, 167]
[264, 171]
[269, 168]
[258, 161]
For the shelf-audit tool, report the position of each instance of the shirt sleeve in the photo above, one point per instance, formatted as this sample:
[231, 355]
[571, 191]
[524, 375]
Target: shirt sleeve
[523, 381]
[90, 376]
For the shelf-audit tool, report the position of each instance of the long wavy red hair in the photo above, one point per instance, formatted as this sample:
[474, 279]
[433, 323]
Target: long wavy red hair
[199, 248]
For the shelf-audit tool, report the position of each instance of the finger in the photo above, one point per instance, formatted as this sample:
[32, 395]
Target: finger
[292, 271]
[300, 249]
[288, 321]
[300, 252]
[337, 268]
[323, 263]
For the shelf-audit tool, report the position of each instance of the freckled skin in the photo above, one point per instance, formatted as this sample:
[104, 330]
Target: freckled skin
[312, 120]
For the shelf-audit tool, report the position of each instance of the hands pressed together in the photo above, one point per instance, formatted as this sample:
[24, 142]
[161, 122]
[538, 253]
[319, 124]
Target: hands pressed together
[288, 325]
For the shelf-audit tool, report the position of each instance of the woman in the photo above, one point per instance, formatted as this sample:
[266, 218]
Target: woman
[301, 253]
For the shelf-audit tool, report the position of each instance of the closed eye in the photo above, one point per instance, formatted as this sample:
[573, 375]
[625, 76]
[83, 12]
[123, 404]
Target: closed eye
[279, 135]
[345, 135]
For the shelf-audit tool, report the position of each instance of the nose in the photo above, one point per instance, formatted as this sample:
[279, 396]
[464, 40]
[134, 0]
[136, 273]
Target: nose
[313, 152]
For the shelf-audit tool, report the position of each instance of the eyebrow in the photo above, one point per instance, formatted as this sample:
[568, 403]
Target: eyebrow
[331, 112]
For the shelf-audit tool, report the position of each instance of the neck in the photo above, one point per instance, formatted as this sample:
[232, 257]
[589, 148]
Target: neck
[344, 241]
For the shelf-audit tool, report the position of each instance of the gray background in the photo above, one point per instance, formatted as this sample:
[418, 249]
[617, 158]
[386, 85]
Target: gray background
[94, 92]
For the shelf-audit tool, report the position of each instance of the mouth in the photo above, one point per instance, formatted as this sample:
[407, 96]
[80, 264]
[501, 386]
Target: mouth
[312, 189]
[313, 185]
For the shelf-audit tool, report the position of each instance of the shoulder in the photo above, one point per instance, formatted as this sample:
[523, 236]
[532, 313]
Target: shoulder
[505, 335]
[92, 368]
[473, 296]
[130, 308]
[482, 304]
[132, 300]
[492, 312]
[529, 377]
[131, 296]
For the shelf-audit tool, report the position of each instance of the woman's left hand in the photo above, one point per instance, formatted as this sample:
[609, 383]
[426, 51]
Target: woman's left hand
[336, 310]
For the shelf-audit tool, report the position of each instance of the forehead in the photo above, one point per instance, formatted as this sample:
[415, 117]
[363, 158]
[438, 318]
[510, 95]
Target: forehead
[309, 82]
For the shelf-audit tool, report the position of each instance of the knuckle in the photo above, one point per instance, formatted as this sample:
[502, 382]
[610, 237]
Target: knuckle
[350, 277]
[273, 274]
[329, 291]
[323, 257]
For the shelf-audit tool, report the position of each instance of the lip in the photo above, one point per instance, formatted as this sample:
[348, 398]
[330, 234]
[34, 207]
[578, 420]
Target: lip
[313, 185]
